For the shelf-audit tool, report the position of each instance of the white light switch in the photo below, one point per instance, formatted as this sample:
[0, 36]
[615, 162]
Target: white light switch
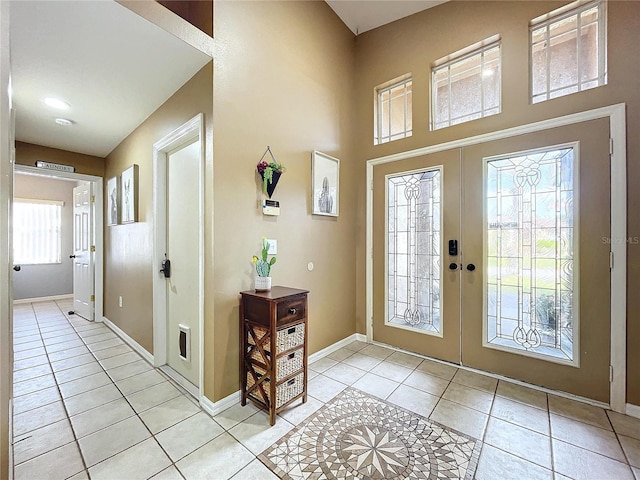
[273, 246]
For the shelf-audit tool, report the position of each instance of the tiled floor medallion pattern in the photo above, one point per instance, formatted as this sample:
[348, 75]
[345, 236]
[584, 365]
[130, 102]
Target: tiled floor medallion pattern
[356, 436]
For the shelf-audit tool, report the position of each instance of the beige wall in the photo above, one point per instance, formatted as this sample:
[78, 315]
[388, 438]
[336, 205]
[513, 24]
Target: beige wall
[129, 264]
[28, 154]
[411, 45]
[284, 76]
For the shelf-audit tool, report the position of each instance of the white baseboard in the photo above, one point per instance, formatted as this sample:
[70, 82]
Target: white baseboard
[214, 408]
[633, 410]
[128, 340]
[180, 380]
[43, 299]
[336, 346]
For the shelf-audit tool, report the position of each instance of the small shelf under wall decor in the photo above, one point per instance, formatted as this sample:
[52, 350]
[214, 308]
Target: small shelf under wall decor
[273, 348]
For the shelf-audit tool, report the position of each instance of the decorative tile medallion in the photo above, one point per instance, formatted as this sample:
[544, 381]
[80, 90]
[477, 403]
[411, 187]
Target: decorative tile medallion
[357, 436]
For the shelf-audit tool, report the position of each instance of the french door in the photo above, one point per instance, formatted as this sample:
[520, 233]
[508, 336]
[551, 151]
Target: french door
[495, 256]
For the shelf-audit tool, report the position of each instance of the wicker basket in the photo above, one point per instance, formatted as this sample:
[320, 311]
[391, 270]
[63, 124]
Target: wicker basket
[284, 392]
[289, 364]
[260, 333]
[290, 337]
[258, 357]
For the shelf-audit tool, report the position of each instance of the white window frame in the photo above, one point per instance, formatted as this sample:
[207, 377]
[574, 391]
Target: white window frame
[447, 62]
[31, 261]
[573, 9]
[378, 136]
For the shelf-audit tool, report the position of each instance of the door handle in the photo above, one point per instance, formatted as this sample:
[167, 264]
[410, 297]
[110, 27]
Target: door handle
[471, 267]
[166, 267]
[453, 266]
[17, 268]
[72, 256]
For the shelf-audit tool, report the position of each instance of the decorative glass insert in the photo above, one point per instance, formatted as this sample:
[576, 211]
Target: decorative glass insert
[37, 231]
[530, 243]
[413, 251]
[568, 51]
[466, 85]
[393, 111]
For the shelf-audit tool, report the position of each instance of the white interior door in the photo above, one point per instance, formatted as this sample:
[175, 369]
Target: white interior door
[183, 247]
[83, 257]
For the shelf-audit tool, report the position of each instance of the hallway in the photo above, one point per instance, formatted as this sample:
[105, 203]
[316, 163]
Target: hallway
[87, 406]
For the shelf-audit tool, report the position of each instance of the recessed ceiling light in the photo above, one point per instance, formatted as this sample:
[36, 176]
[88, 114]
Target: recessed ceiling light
[56, 103]
[64, 121]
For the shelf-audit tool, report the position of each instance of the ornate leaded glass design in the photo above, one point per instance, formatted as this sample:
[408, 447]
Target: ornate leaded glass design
[413, 251]
[530, 246]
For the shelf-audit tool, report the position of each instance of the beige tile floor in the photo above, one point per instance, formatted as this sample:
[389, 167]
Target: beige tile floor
[87, 406]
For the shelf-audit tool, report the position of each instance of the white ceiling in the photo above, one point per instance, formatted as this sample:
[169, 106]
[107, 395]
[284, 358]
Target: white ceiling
[363, 15]
[113, 67]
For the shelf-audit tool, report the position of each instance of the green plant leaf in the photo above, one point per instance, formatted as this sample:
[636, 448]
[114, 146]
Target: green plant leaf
[273, 260]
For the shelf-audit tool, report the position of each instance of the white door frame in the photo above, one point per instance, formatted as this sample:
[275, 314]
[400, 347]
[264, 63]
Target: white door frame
[194, 128]
[6, 264]
[617, 123]
[98, 227]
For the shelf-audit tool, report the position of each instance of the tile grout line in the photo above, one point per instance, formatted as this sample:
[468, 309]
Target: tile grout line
[136, 414]
[68, 418]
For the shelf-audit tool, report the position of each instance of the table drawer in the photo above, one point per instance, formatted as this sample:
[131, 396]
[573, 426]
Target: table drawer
[292, 310]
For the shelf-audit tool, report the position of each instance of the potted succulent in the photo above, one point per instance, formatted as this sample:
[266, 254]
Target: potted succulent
[270, 173]
[263, 268]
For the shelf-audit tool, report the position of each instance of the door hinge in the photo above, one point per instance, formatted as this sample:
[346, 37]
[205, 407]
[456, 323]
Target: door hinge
[610, 260]
[610, 373]
[93, 298]
[611, 146]
[93, 199]
[93, 248]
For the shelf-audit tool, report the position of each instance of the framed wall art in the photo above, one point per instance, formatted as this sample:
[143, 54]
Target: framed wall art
[129, 191]
[325, 184]
[113, 201]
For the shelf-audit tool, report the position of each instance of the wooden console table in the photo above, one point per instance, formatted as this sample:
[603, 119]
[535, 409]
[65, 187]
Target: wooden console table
[273, 348]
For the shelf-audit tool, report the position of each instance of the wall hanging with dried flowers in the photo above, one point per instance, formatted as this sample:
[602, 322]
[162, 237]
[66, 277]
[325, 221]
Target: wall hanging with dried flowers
[270, 172]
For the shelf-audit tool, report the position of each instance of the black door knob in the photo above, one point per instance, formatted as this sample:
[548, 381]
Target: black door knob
[453, 266]
[471, 267]
[17, 268]
[72, 256]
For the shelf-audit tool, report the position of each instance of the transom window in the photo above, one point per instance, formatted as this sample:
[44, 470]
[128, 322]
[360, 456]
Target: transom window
[530, 244]
[413, 251]
[393, 111]
[568, 50]
[466, 85]
[37, 231]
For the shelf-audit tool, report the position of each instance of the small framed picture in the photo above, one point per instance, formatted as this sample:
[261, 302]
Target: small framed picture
[325, 184]
[129, 189]
[113, 201]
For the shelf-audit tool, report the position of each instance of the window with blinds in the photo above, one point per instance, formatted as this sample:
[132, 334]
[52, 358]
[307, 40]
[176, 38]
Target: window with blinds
[37, 231]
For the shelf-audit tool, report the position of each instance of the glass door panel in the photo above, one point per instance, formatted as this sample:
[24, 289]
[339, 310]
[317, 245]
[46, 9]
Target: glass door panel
[416, 294]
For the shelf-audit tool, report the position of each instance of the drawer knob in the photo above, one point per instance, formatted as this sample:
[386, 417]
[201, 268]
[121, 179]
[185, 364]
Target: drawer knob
[293, 311]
